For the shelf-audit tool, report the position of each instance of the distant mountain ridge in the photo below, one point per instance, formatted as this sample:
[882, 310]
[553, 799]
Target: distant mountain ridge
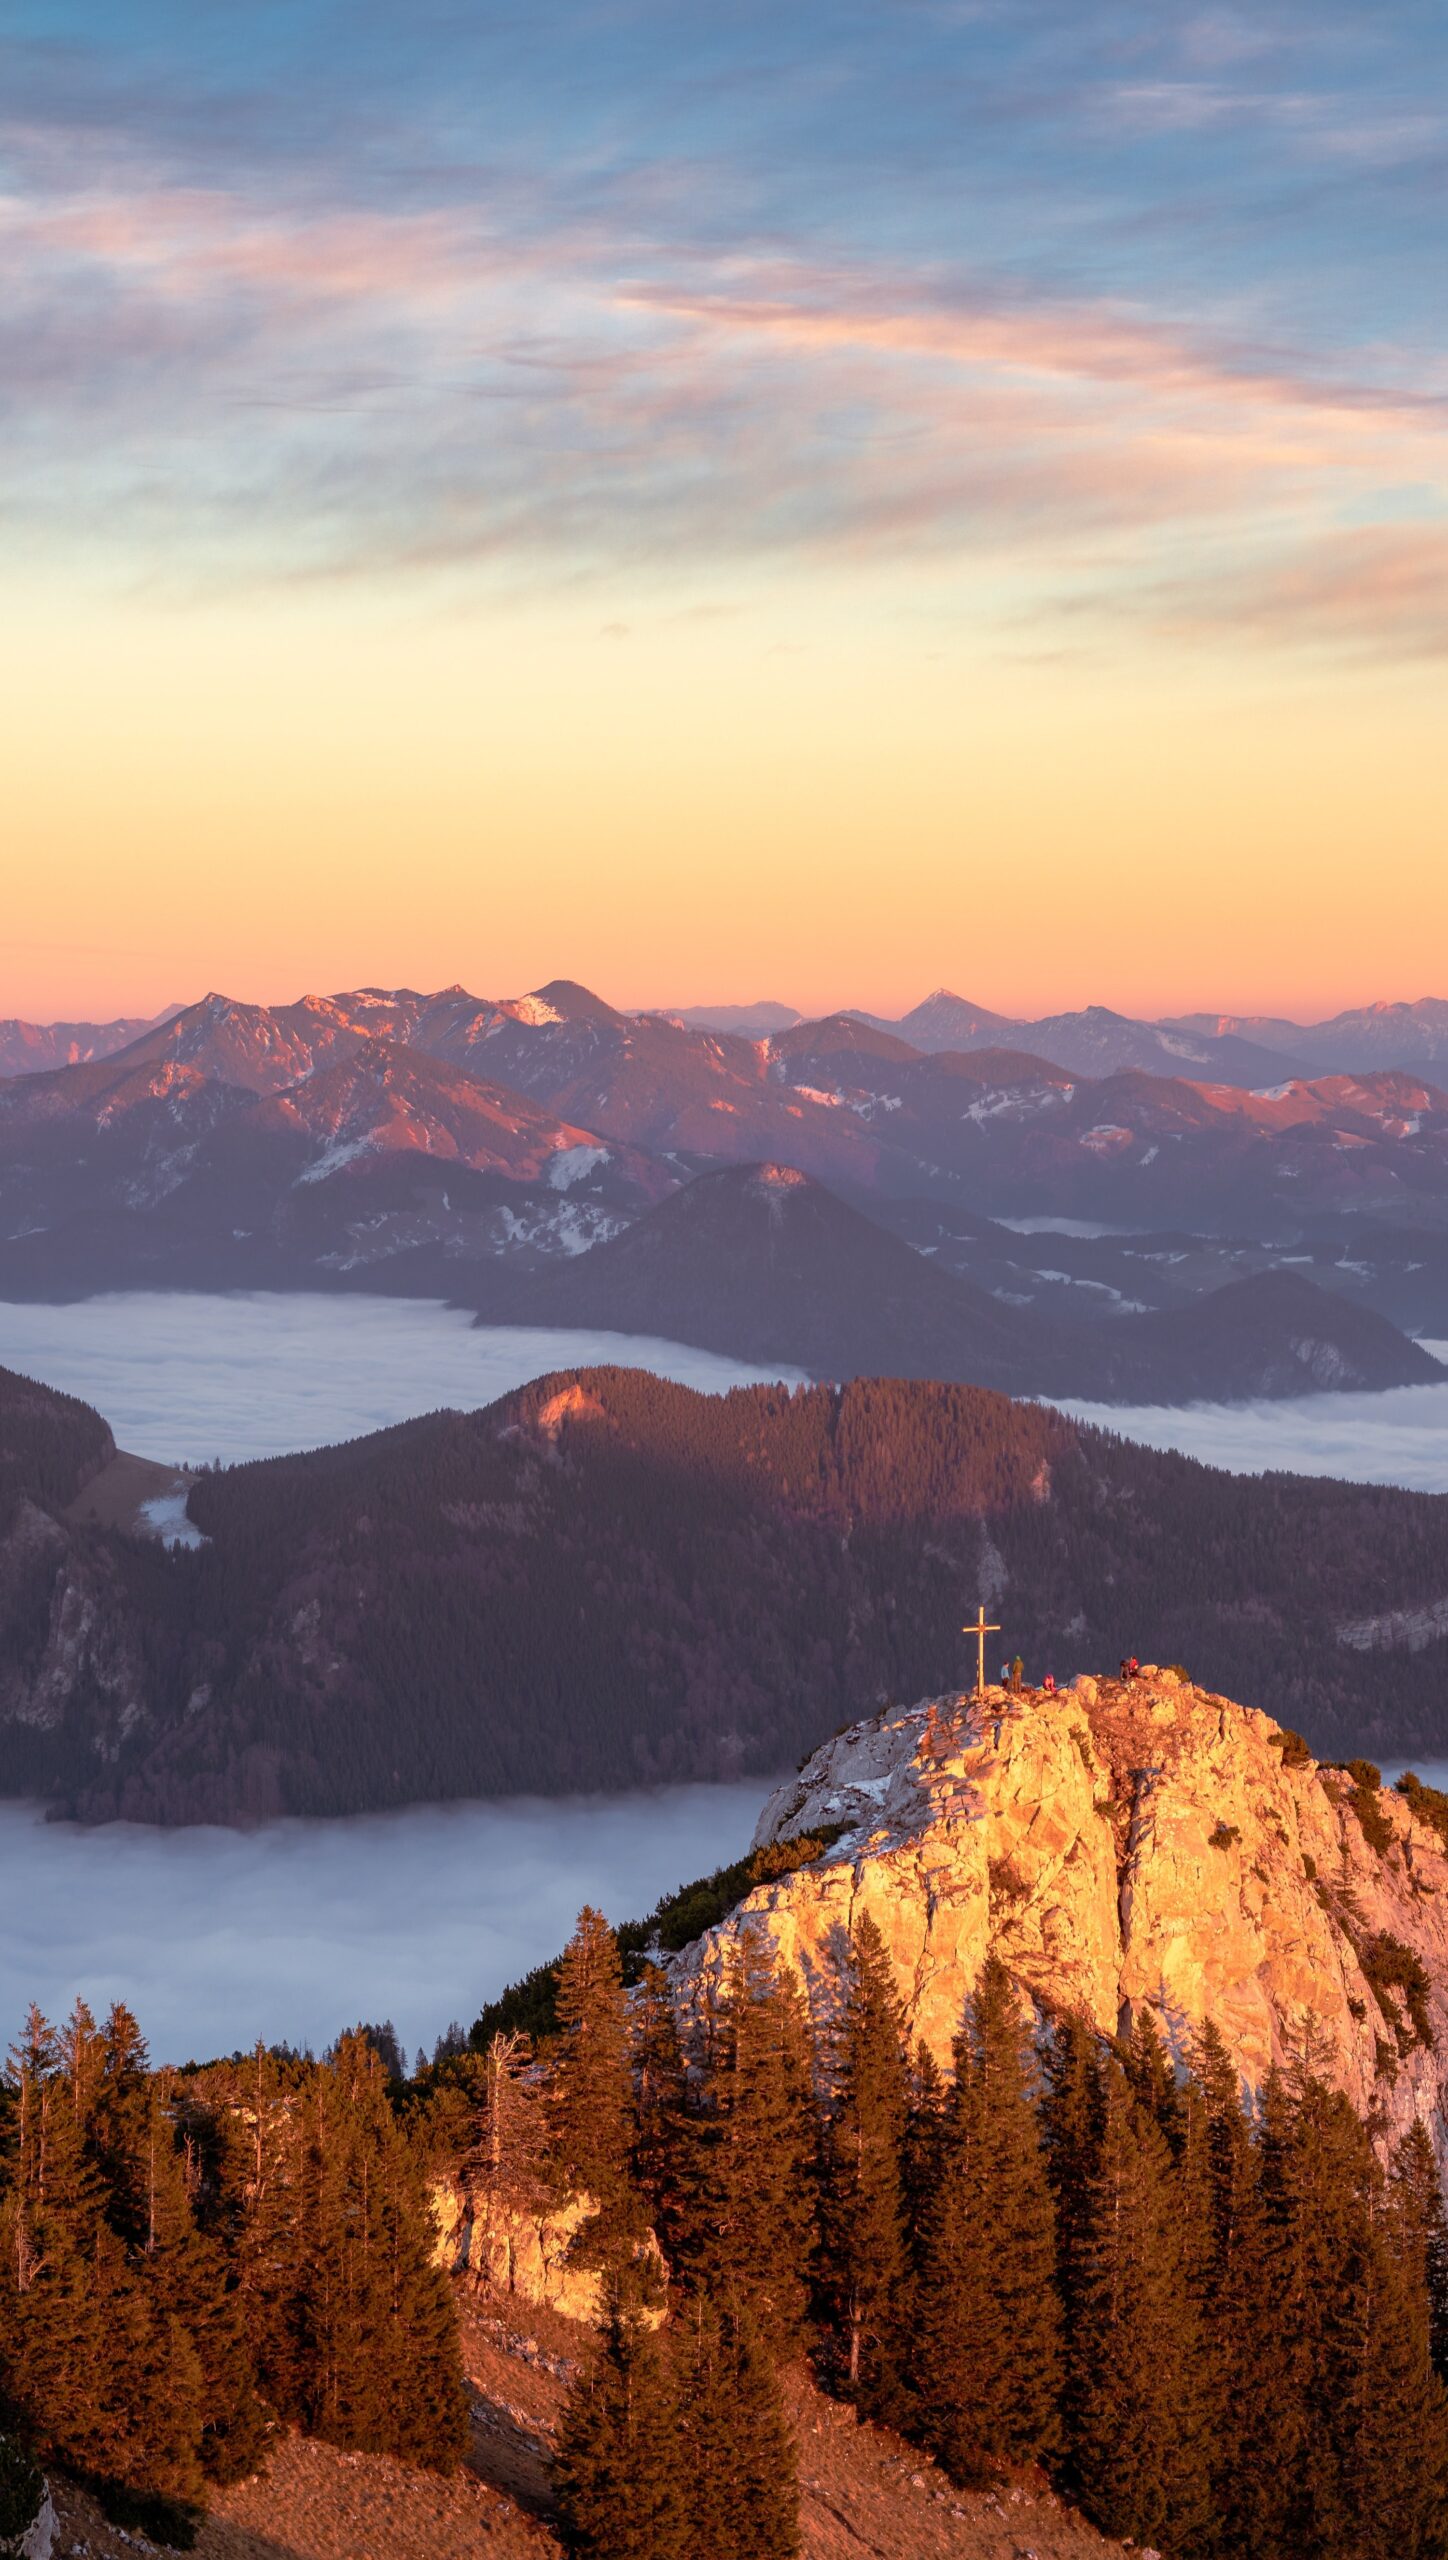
[28, 1048]
[760, 1262]
[407, 1139]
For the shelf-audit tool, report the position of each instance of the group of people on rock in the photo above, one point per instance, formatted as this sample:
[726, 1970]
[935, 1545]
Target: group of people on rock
[1013, 1675]
[1013, 1678]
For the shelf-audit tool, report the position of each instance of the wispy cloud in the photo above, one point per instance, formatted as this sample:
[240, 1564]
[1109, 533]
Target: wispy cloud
[237, 342]
[1375, 590]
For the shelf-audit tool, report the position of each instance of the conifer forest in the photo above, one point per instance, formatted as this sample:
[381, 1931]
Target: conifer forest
[1218, 2328]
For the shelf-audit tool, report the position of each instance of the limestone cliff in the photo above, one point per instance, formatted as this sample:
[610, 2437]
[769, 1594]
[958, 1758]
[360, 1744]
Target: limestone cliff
[1123, 1845]
[518, 2249]
[526, 2249]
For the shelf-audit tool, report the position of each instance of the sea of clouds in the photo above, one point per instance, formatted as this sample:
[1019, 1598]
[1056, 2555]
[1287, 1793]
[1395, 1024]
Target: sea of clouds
[248, 1374]
[1399, 1436]
[296, 1930]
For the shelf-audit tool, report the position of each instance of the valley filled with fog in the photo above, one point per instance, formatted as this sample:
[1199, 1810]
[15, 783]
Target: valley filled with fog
[296, 1930]
[1399, 1436]
[188, 1378]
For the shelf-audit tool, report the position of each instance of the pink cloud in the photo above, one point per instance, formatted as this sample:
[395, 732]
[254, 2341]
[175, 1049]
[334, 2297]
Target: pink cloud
[1376, 588]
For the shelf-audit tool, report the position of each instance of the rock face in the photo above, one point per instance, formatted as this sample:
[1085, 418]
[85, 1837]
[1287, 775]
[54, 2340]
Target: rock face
[520, 2249]
[37, 2541]
[1124, 1846]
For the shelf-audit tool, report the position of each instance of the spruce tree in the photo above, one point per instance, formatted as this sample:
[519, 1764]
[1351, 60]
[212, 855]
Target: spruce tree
[187, 2277]
[1137, 2454]
[592, 2093]
[511, 2147]
[751, 2220]
[1071, 2112]
[864, 2255]
[986, 2363]
[1419, 2228]
[1152, 2080]
[742, 2494]
[617, 2468]
[380, 2369]
[924, 2133]
[1341, 2426]
[664, 2136]
[1220, 2220]
[1395, 2428]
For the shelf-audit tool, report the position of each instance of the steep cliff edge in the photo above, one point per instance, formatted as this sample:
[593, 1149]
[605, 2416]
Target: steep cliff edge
[1124, 1845]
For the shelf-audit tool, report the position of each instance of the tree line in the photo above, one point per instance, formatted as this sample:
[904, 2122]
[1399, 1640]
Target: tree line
[188, 2259]
[1221, 2331]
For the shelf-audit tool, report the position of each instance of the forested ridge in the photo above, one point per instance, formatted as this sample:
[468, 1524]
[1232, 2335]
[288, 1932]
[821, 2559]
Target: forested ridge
[50, 1444]
[1219, 2328]
[606, 1580]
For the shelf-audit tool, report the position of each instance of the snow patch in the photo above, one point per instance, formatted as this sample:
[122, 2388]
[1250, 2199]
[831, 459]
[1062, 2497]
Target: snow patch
[164, 1516]
[574, 1164]
[342, 1151]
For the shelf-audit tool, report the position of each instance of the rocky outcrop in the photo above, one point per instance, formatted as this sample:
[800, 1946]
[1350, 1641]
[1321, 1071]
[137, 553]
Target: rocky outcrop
[38, 2540]
[1124, 1846]
[526, 2250]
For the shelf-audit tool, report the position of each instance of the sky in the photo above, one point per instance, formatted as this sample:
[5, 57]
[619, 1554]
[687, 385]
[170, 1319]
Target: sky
[815, 502]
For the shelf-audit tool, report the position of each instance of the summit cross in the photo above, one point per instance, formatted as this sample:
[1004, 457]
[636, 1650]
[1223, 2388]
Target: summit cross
[978, 1628]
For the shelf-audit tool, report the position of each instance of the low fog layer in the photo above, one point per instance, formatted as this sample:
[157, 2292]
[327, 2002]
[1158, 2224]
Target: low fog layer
[188, 1378]
[1397, 1437]
[298, 1929]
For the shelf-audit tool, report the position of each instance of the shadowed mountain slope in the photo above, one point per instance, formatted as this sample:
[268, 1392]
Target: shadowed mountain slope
[606, 1580]
[759, 1261]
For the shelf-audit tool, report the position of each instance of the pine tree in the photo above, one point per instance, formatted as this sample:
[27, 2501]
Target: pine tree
[1220, 2222]
[511, 2151]
[382, 2370]
[750, 2225]
[1341, 2421]
[664, 2137]
[742, 2496]
[987, 2320]
[864, 2254]
[1071, 2113]
[1420, 2229]
[924, 2134]
[617, 2468]
[592, 2094]
[1137, 2455]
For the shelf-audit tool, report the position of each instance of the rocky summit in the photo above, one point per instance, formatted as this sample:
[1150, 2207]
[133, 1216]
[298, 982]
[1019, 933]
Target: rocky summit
[1124, 1845]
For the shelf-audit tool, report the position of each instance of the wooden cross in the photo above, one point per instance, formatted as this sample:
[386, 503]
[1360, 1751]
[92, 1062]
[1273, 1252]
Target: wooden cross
[977, 1627]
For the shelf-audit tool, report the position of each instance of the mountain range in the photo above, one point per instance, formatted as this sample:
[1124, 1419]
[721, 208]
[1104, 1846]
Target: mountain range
[449, 1145]
[1094, 1040]
[604, 1580]
[1231, 1048]
[763, 1263]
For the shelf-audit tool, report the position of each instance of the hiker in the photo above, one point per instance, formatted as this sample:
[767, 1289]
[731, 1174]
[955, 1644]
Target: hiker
[1048, 1685]
[1018, 1674]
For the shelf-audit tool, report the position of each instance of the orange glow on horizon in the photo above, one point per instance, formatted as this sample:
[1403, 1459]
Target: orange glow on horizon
[777, 799]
